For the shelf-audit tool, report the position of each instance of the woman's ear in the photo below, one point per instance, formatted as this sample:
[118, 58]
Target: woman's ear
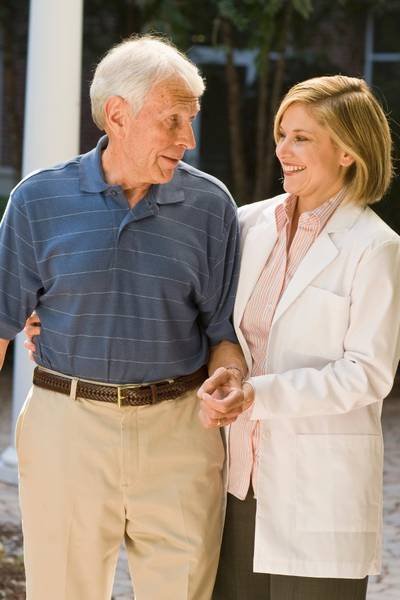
[346, 159]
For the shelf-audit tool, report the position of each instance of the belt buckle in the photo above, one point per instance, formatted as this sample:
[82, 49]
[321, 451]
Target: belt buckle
[132, 386]
[121, 388]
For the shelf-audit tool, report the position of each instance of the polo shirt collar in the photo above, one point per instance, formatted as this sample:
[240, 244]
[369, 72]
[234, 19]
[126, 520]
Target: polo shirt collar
[169, 193]
[91, 171]
[92, 178]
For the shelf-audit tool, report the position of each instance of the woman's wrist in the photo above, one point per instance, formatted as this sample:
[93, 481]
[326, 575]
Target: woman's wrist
[237, 371]
[249, 394]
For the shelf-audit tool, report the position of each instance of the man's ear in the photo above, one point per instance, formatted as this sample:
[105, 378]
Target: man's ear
[115, 114]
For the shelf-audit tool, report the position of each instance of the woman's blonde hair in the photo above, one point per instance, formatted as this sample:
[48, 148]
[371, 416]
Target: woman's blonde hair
[356, 123]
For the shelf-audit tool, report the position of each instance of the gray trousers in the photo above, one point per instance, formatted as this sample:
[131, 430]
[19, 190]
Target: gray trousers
[235, 577]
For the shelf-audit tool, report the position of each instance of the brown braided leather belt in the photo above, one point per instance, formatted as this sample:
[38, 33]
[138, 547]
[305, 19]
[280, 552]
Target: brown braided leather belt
[123, 395]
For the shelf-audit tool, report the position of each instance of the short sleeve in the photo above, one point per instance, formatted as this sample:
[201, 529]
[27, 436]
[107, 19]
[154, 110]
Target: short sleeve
[216, 306]
[20, 283]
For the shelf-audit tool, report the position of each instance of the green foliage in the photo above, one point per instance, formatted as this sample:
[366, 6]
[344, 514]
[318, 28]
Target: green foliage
[165, 16]
[365, 4]
[265, 14]
[303, 7]
[3, 202]
[245, 14]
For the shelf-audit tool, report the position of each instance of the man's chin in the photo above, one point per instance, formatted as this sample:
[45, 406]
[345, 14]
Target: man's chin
[166, 175]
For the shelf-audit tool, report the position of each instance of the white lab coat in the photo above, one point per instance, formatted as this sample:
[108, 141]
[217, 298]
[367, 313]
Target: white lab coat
[332, 355]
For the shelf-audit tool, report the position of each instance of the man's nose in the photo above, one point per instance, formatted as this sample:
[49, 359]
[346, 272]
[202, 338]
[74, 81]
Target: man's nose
[186, 137]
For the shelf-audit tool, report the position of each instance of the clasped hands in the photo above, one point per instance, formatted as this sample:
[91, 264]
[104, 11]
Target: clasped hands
[223, 397]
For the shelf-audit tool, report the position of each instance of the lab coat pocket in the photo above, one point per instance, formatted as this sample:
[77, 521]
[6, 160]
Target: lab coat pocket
[321, 321]
[338, 482]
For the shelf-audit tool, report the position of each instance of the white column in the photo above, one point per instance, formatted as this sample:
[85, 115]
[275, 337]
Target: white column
[51, 132]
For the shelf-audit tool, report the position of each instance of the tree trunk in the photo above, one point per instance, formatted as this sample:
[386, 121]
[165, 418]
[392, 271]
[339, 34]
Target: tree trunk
[275, 97]
[234, 116]
[261, 125]
[131, 20]
[11, 95]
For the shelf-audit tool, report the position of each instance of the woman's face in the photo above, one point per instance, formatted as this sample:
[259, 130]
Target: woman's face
[313, 165]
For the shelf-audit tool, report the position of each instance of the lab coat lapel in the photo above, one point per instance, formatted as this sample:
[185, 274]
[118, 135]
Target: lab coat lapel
[257, 247]
[321, 253]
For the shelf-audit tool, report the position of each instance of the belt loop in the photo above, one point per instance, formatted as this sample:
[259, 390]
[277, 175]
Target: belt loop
[154, 393]
[74, 385]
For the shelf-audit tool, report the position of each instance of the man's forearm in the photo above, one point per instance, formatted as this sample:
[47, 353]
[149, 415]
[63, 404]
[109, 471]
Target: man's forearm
[227, 354]
[3, 348]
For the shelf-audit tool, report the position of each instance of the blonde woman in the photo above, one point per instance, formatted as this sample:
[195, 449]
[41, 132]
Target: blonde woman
[317, 314]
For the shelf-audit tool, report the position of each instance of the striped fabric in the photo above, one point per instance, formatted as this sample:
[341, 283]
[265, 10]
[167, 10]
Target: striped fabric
[124, 295]
[256, 324]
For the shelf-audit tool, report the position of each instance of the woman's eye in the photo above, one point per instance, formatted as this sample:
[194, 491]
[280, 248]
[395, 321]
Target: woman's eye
[300, 138]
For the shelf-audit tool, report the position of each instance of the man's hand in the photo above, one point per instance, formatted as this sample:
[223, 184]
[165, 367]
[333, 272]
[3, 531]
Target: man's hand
[3, 348]
[32, 328]
[223, 398]
[221, 395]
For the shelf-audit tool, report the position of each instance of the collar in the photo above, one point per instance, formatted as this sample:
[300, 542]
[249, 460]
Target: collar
[91, 174]
[284, 212]
[322, 213]
[313, 220]
[92, 178]
[171, 192]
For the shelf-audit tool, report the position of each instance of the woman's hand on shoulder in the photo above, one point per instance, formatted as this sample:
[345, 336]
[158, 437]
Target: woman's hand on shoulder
[32, 328]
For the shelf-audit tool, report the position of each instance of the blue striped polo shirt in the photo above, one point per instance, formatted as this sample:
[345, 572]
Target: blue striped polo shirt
[124, 295]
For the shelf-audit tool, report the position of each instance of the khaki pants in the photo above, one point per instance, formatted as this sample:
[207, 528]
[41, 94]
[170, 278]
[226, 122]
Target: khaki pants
[93, 475]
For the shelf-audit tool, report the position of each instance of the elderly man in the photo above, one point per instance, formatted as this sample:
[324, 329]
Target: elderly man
[128, 256]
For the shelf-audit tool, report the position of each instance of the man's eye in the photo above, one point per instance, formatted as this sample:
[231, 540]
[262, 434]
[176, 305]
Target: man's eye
[173, 120]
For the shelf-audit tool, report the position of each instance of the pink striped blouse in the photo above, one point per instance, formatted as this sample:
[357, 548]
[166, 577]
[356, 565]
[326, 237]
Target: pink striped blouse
[256, 323]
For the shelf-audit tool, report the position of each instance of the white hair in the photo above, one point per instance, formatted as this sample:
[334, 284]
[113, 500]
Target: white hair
[131, 68]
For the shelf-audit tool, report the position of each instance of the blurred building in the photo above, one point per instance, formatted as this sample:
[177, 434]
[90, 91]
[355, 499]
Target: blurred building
[366, 45]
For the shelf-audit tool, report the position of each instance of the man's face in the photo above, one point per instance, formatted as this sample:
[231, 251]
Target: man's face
[156, 138]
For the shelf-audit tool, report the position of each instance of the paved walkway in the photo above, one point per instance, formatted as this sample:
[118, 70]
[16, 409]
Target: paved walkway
[384, 587]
